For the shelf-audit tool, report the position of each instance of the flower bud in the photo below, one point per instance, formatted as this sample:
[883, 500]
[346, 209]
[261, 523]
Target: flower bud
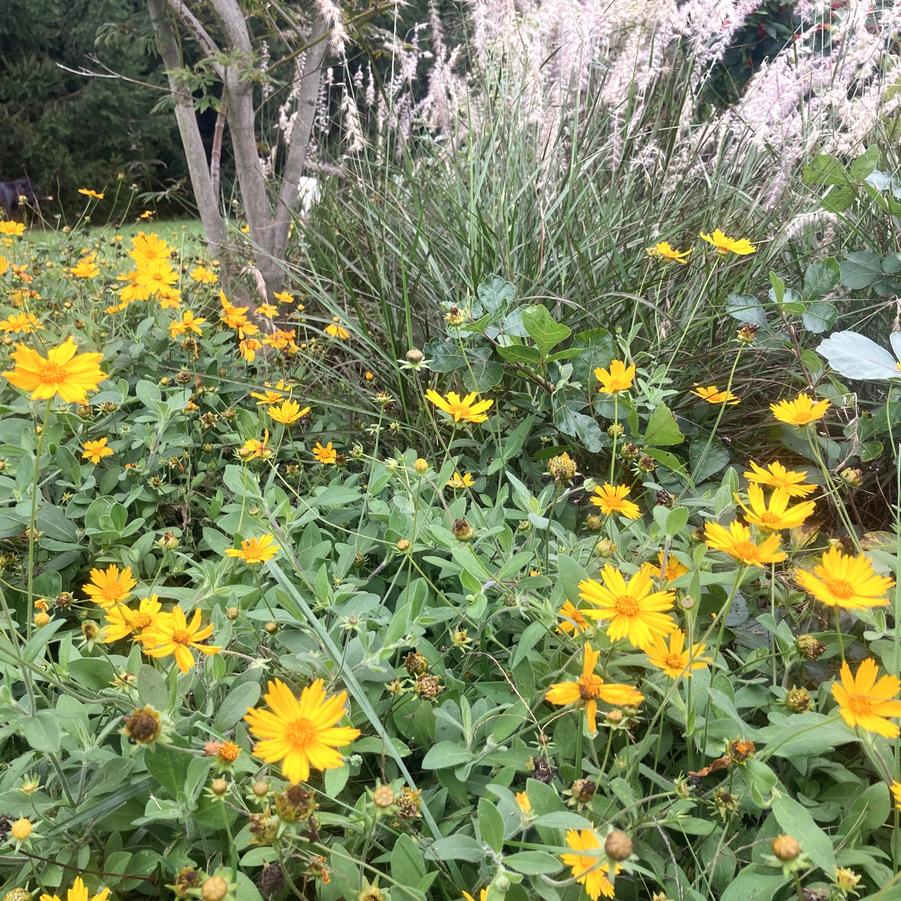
[415, 356]
[421, 466]
[215, 888]
[605, 548]
[219, 787]
[402, 544]
[785, 847]
[463, 531]
[798, 700]
[271, 627]
[21, 829]
[618, 845]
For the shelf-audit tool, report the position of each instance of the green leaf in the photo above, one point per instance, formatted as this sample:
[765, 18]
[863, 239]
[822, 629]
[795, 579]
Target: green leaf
[819, 317]
[824, 170]
[520, 353]
[533, 863]
[580, 426]
[169, 767]
[746, 308]
[481, 373]
[543, 329]
[838, 198]
[867, 812]
[803, 735]
[491, 825]
[676, 520]
[754, 883]
[446, 754]
[571, 573]
[860, 269]
[407, 862]
[238, 701]
[562, 819]
[41, 731]
[662, 429]
[495, 293]
[778, 291]
[796, 821]
[821, 277]
[456, 847]
[865, 163]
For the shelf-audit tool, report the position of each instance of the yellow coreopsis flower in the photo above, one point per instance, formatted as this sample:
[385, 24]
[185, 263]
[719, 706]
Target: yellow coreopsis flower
[664, 251]
[590, 688]
[723, 244]
[4, 265]
[86, 267]
[326, 455]
[11, 229]
[248, 348]
[775, 514]
[95, 451]
[287, 412]
[284, 296]
[673, 658]
[301, 733]
[188, 323]
[612, 499]
[270, 396]
[800, 411]
[736, 541]
[619, 377]
[673, 569]
[867, 703]
[255, 448]
[457, 481]
[267, 309]
[633, 610]
[775, 475]
[121, 621]
[91, 193]
[523, 803]
[204, 276]
[461, 409]
[236, 317]
[78, 891]
[587, 869]
[110, 586]
[714, 395]
[148, 248]
[170, 634]
[839, 580]
[63, 372]
[256, 550]
[335, 330]
[21, 324]
[571, 619]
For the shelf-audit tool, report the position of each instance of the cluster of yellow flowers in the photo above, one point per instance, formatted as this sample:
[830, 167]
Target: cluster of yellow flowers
[152, 276]
[719, 240]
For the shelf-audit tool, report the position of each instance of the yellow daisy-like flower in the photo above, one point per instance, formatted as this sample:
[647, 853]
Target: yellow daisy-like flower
[95, 451]
[483, 895]
[634, 611]
[90, 192]
[664, 251]
[619, 377]
[148, 248]
[326, 455]
[188, 323]
[63, 372]
[571, 619]
[11, 229]
[4, 265]
[254, 551]
[612, 499]
[673, 657]
[736, 541]
[723, 244]
[248, 349]
[301, 732]
[255, 448]
[800, 411]
[896, 794]
[21, 324]
[714, 395]
[110, 586]
[269, 396]
[775, 514]
[457, 481]
[673, 569]
[288, 412]
[588, 869]
[267, 309]
[86, 267]
[461, 409]
[121, 621]
[866, 703]
[284, 296]
[523, 803]
[335, 330]
[590, 688]
[775, 475]
[172, 634]
[204, 276]
[78, 891]
[839, 580]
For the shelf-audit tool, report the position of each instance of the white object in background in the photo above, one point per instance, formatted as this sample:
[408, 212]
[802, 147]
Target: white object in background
[308, 193]
[857, 357]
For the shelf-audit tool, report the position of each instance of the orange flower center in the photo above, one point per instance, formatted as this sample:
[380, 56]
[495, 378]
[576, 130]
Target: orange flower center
[626, 605]
[180, 636]
[840, 588]
[673, 661]
[301, 733]
[860, 706]
[745, 550]
[769, 519]
[53, 373]
[141, 620]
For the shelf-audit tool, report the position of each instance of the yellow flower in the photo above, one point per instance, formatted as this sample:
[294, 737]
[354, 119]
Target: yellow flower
[4, 265]
[523, 803]
[457, 481]
[255, 448]
[839, 580]
[483, 895]
[148, 248]
[78, 891]
[587, 869]
[256, 550]
[674, 567]
[171, 633]
[589, 688]
[635, 611]
[287, 412]
[236, 318]
[674, 658]
[110, 586]
[461, 409]
[326, 455]
[896, 794]
[21, 324]
[21, 829]
[663, 251]
[612, 499]
[335, 330]
[284, 296]
[777, 476]
[722, 243]
[268, 396]
[713, 395]
[12, 229]
[800, 411]
[300, 732]
[86, 267]
[89, 192]
[63, 372]
[776, 514]
[95, 451]
[866, 703]
[572, 619]
[846, 881]
[248, 348]
[121, 621]
[204, 276]
[146, 214]
[267, 309]
[618, 378]
[736, 541]
[188, 323]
